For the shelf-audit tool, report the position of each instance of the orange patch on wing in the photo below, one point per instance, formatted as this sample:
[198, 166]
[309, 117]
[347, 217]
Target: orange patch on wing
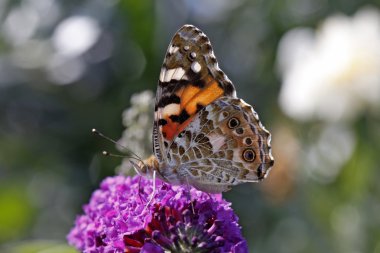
[170, 129]
[188, 93]
[204, 97]
[191, 96]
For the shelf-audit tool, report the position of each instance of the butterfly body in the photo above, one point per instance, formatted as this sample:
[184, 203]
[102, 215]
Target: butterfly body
[203, 135]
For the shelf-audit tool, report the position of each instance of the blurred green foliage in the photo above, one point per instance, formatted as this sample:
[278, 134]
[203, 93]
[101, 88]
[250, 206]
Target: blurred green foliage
[52, 94]
[38, 246]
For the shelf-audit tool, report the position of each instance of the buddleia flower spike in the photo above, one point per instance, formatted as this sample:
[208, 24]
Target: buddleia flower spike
[116, 221]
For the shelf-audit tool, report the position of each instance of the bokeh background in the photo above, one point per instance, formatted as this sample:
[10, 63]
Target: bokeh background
[311, 68]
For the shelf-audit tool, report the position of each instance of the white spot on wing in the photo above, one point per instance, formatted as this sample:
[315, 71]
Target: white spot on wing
[221, 117]
[269, 140]
[170, 109]
[168, 75]
[271, 156]
[162, 74]
[196, 67]
[178, 73]
[173, 49]
[217, 142]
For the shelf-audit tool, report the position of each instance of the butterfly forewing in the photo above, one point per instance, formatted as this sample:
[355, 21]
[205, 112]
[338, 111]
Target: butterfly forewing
[190, 79]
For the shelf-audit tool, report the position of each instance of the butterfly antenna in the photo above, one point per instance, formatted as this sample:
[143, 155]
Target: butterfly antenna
[106, 153]
[133, 155]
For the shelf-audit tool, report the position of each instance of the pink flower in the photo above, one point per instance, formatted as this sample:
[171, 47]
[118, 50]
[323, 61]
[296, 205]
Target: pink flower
[117, 220]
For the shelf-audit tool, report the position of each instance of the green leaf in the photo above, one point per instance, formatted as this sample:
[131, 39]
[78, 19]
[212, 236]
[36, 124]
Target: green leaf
[38, 246]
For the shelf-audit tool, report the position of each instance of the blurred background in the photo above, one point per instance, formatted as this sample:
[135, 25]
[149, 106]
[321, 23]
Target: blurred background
[310, 68]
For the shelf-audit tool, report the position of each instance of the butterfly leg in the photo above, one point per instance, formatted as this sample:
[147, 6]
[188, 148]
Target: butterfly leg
[154, 190]
[137, 169]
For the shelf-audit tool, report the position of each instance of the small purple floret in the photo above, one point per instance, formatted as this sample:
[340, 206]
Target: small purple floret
[117, 220]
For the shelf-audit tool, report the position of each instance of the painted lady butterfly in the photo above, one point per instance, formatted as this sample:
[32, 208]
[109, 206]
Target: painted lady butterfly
[203, 135]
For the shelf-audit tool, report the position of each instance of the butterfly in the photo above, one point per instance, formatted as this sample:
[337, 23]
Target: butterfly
[203, 134]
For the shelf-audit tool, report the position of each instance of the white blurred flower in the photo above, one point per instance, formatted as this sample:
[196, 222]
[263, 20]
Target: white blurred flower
[63, 70]
[75, 35]
[138, 121]
[332, 73]
[20, 25]
[325, 157]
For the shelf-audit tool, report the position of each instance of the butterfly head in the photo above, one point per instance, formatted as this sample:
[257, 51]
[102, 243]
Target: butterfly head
[189, 54]
[146, 167]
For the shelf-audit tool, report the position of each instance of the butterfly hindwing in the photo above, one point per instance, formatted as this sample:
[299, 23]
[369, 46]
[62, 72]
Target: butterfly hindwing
[224, 146]
[190, 79]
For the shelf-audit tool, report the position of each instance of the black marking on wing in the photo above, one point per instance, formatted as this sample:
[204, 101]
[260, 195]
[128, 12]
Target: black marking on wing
[182, 117]
[199, 107]
[199, 83]
[172, 99]
[162, 122]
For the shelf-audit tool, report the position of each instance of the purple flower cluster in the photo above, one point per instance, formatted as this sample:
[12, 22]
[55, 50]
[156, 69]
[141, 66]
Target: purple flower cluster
[177, 220]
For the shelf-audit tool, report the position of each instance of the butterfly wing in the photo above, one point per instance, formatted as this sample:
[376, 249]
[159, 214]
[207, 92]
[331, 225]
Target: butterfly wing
[190, 79]
[224, 146]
